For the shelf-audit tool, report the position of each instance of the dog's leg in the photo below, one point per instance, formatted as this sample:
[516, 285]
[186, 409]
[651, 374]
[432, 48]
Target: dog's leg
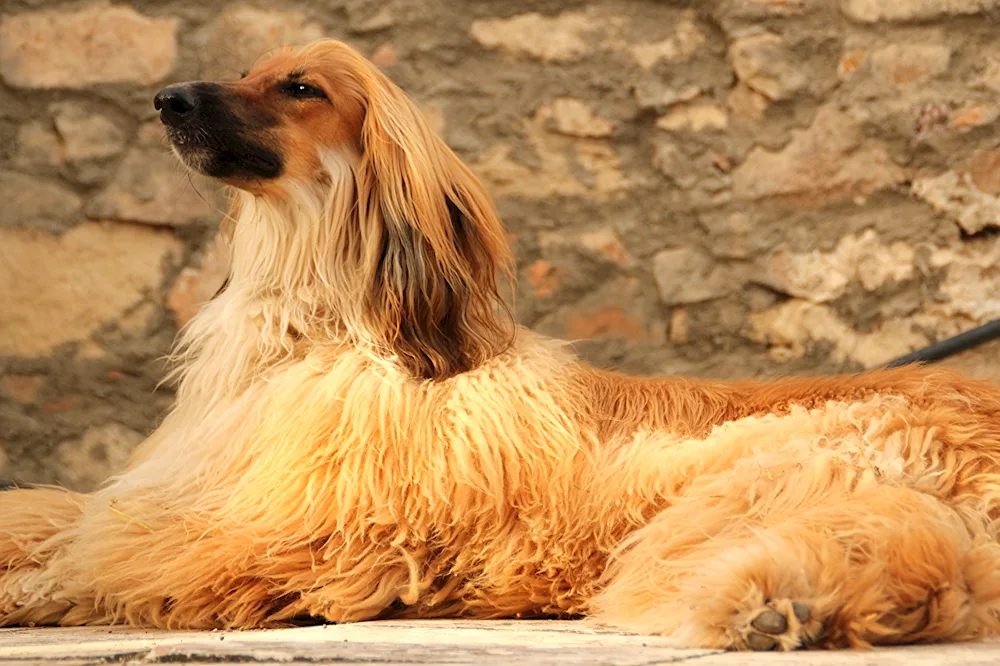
[35, 525]
[889, 565]
[849, 526]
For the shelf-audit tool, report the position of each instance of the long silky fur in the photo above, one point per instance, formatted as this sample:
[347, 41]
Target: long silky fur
[359, 433]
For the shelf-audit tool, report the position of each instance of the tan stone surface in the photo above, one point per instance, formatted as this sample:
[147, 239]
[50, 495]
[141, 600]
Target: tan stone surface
[777, 7]
[42, 201]
[685, 41]
[967, 295]
[789, 328]
[670, 160]
[654, 94]
[602, 243]
[57, 289]
[241, 34]
[102, 450]
[956, 195]
[747, 104]
[904, 65]
[571, 35]
[76, 48]
[871, 11]
[970, 288]
[973, 115]
[439, 642]
[764, 64]
[365, 17]
[196, 285]
[21, 388]
[554, 39]
[688, 275]
[983, 168]
[827, 161]
[151, 187]
[37, 146]
[562, 160]
[573, 117]
[617, 309]
[85, 135]
[137, 320]
[696, 117]
[824, 276]
[989, 79]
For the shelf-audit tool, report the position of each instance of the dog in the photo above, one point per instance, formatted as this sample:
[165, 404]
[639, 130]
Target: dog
[361, 431]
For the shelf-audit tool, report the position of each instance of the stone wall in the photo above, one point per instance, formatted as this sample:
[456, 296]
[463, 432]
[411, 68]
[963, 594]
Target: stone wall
[715, 187]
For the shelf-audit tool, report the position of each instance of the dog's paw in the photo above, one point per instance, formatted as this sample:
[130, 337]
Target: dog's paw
[780, 625]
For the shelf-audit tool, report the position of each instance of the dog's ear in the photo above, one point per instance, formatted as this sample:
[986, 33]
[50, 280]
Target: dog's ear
[434, 245]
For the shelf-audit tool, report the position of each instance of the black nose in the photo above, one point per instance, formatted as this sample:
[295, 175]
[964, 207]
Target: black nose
[175, 103]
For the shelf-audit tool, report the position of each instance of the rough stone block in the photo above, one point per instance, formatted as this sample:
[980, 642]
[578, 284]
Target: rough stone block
[98, 43]
[58, 289]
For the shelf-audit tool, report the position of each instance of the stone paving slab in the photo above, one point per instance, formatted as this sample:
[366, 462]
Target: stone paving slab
[427, 643]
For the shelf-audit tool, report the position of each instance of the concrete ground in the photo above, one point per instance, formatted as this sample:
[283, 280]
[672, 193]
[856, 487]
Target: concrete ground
[440, 642]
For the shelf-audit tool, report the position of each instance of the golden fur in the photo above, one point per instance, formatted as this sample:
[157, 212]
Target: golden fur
[361, 433]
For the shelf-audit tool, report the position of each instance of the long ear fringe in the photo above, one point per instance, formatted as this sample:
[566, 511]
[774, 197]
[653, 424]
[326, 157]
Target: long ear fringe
[437, 247]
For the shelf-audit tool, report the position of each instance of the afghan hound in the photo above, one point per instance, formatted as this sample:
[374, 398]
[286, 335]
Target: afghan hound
[361, 431]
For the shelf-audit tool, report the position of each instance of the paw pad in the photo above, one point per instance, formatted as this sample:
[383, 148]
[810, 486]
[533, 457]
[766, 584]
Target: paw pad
[801, 611]
[770, 626]
[761, 643]
[770, 622]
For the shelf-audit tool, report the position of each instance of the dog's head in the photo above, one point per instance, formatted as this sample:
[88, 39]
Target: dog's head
[420, 247]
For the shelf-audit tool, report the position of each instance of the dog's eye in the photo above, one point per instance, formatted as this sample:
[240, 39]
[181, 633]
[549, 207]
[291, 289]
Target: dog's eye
[243, 74]
[302, 91]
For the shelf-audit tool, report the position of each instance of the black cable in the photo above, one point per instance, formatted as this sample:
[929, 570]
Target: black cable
[951, 346]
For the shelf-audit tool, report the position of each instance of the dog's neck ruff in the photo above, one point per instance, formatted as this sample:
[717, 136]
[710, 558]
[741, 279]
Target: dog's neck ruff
[290, 289]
